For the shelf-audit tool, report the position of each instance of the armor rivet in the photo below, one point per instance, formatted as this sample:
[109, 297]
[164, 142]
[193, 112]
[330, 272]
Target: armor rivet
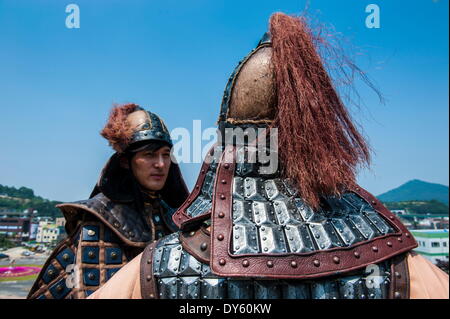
[91, 232]
[203, 171]
[221, 215]
[399, 239]
[397, 274]
[223, 181]
[316, 263]
[293, 264]
[65, 257]
[50, 272]
[397, 295]
[91, 276]
[357, 188]
[356, 254]
[59, 288]
[197, 186]
[149, 261]
[336, 259]
[152, 296]
[374, 202]
[222, 196]
[192, 233]
[149, 277]
[375, 248]
[389, 244]
[227, 166]
[246, 263]
[222, 261]
[270, 264]
[131, 234]
[220, 237]
[407, 235]
[203, 246]
[116, 224]
[91, 254]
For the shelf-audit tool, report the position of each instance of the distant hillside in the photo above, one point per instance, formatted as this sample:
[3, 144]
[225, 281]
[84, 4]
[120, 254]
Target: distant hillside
[433, 207]
[416, 190]
[23, 198]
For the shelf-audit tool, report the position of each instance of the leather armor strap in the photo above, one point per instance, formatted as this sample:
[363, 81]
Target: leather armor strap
[181, 218]
[197, 243]
[148, 281]
[400, 284]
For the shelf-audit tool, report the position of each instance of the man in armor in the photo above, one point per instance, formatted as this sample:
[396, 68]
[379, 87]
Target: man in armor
[305, 230]
[131, 205]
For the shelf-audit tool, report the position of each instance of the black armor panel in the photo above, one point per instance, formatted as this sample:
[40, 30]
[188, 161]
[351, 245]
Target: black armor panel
[107, 236]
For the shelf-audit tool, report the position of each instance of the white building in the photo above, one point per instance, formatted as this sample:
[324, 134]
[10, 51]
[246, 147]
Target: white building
[433, 243]
[47, 232]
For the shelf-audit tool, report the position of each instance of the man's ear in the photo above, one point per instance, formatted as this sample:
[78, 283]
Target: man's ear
[124, 162]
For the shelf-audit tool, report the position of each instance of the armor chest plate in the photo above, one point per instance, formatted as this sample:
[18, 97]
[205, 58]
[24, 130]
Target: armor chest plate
[178, 274]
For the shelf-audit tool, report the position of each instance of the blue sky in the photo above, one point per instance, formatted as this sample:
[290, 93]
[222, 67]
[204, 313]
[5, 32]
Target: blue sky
[174, 57]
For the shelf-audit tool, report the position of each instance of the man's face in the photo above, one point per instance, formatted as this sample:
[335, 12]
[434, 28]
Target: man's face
[151, 168]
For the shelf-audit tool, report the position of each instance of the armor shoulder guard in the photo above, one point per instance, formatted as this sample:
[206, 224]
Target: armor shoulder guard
[124, 221]
[52, 280]
[261, 227]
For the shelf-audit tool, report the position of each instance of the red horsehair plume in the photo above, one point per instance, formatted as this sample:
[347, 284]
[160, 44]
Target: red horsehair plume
[319, 146]
[117, 130]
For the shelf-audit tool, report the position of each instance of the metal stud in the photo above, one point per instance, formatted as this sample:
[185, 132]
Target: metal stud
[222, 262]
[245, 263]
[221, 215]
[91, 254]
[91, 232]
[65, 257]
[336, 260]
[400, 239]
[227, 166]
[149, 277]
[149, 261]
[116, 224]
[397, 295]
[293, 264]
[113, 255]
[407, 235]
[222, 196]
[316, 263]
[91, 276]
[223, 181]
[356, 254]
[220, 237]
[375, 248]
[59, 288]
[397, 274]
[203, 246]
[270, 264]
[389, 244]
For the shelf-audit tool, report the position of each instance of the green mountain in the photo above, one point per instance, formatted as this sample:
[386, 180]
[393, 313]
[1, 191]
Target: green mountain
[416, 190]
[20, 199]
[432, 207]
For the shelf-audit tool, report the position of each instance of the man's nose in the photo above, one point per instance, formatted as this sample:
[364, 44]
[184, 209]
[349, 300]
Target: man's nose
[160, 162]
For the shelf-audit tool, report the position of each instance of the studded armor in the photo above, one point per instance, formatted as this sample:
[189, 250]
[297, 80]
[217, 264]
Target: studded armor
[180, 275]
[106, 237]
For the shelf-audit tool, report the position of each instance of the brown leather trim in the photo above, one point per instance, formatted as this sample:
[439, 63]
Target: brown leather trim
[197, 243]
[147, 280]
[181, 218]
[106, 222]
[294, 265]
[400, 283]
